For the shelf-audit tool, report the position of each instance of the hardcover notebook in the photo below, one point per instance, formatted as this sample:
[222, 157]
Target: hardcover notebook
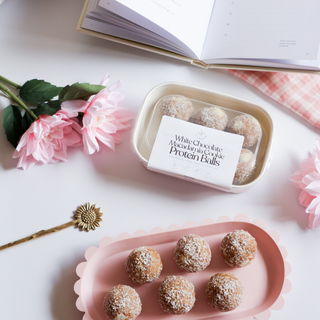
[214, 33]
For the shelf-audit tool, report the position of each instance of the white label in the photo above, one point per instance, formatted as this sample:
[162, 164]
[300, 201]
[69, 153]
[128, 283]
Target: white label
[190, 150]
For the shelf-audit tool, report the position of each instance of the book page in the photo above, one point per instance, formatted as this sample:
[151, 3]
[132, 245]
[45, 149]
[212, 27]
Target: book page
[106, 22]
[185, 20]
[264, 29]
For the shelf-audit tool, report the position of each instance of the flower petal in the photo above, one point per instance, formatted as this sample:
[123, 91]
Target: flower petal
[115, 86]
[90, 144]
[105, 79]
[68, 113]
[31, 145]
[106, 139]
[318, 147]
[305, 198]
[61, 155]
[116, 96]
[314, 207]
[296, 179]
[86, 120]
[47, 140]
[314, 221]
[317, 165]
[313, 188]
[74, 105]
[307, 164]
[124, 126]
[312, 176]
[102, 119]
[108, 127]
[117, 138]
[123, 114]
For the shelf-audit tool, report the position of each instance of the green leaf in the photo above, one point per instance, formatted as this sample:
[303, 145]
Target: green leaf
[82, 91]
[26, 122]
[49, 108]
[36, 91]
[12, 124]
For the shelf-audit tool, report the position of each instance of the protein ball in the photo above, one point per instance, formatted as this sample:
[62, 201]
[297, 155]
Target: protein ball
[176, 106]
[192, 253]
[143, 265]
[122, 302]
[245, 166]
[176, 295]
[224, 291]
[213, 117]
[238, 248]
[247, 126]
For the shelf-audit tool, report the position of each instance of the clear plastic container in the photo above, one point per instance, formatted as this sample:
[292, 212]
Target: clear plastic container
[155, 120]
[149, 118]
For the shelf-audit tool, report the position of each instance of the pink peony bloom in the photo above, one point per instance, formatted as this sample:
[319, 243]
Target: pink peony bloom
[102, 119]
[308, 179]
[47, 139]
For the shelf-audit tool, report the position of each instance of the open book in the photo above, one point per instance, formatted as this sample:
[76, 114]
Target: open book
[263, 33]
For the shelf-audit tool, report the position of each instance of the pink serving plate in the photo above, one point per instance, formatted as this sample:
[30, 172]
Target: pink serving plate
[264, 280]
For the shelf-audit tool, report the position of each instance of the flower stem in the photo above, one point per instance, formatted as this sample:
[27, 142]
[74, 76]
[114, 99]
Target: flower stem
[11, 83]
[12, 96]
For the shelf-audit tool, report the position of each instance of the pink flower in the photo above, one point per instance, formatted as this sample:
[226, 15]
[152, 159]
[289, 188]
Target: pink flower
[308, 179]
[102, 119]
[47, 139]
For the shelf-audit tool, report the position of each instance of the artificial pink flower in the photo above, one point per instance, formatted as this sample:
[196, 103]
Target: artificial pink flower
[102, 119]
[308, 179]
[47, 139]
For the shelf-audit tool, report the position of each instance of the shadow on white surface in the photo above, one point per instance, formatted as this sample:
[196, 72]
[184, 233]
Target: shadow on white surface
[288, 197]
[63, 297]
[122, 167]
[6, 150]
[53, 19]
[281, 194]
[288, 200]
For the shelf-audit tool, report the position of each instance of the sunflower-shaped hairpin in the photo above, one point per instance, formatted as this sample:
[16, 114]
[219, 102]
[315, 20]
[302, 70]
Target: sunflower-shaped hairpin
[87, 218]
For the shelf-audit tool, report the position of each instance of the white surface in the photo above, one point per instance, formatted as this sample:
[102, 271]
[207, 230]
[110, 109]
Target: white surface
[38, 40]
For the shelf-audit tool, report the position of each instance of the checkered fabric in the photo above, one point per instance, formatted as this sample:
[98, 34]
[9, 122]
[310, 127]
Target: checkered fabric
[297, 91]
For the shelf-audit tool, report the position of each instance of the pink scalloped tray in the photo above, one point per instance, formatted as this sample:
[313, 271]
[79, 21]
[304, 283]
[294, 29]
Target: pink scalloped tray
[264, 280]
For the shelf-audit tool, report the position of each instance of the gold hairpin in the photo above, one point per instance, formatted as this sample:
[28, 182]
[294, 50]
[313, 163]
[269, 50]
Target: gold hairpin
[86, 218]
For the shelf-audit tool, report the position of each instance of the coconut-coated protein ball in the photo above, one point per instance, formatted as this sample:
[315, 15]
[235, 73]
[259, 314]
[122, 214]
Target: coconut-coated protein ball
[176, 295]
[224, 291]
[245, 167]
[247, 126]
[213, 117]
[176, 106]
[238, 248]
[122, 303]
[143, 265]
[192, 253]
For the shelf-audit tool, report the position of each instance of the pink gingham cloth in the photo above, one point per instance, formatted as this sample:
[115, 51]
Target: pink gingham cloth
[297, 91]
